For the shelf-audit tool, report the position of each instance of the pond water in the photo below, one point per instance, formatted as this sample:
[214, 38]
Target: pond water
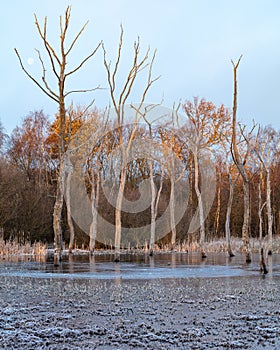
[167, 265]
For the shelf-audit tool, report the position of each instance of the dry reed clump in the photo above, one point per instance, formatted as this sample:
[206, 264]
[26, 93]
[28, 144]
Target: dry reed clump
[220, 245]
[213, 246]
[14, 248]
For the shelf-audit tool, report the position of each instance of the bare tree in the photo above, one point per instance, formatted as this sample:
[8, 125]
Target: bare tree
[58, 62]
[119, 101]
[266, 148]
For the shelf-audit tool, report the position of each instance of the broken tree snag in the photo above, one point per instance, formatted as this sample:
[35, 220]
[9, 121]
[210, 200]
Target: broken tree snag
[262, 263]
[240, 164]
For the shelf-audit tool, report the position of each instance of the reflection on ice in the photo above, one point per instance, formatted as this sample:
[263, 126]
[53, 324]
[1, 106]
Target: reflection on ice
[141, 266]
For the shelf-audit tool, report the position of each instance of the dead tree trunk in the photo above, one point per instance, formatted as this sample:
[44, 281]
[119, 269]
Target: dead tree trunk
[200, 205]
[58, 241]
[69, 172]
[269, 211]
[218, 211]
[94, 210]
[118, 216]
[261, 206]
[228, 215]
[172, 205]
[153, 210]
[58, 64]
[241, 168]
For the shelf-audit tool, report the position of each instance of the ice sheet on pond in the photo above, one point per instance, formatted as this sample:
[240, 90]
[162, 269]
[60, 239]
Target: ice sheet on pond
[173, 265]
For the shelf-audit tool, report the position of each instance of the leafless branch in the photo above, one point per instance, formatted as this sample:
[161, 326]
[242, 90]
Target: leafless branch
[76, 38]
[44, 74]
[84, 61]
[51, 52]
[118, 60]
[81, 91]
[52, 95]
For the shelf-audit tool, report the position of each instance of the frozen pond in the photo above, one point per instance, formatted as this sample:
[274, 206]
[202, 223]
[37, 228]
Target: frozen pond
[140, 266]
[170, 301]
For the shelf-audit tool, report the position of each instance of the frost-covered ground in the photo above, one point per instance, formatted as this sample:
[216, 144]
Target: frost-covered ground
[192, 313]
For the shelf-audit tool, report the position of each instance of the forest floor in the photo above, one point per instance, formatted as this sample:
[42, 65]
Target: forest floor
[168, 313]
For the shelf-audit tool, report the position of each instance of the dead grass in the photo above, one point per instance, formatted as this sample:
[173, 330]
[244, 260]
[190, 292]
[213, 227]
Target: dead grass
[9, 248]
[14, 248]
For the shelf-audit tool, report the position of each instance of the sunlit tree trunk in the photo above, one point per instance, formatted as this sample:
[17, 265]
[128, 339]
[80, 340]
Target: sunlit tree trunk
[228, 215]
[118, 215]
[58, 238]
[58, 242]
[269, 211]
[200, 205]
[68, 177]
[246, 222]
[172, 205]
[218, 211]
[153, 209]
[241, 168]
[154, 206]
[94, 210]
[261, 206]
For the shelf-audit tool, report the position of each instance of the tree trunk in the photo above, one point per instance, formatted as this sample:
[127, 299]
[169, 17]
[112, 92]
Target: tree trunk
[218, 211]
[200, 206]
[228, 214]
[118, 213]
[69, 172]
[241, 168]
[94, 212]
[269, 211]
[260, 214]
[172, 210]
[153, 211]
[246, 221]
[58, 244]
[262, 260]
[60, 179]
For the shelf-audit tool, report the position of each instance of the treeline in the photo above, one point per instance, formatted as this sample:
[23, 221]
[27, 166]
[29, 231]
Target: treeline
[30, 162]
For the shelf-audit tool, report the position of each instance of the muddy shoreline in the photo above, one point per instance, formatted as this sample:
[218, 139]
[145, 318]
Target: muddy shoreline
[192, 313]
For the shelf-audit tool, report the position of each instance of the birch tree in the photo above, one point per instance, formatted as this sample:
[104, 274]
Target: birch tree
[58, 62]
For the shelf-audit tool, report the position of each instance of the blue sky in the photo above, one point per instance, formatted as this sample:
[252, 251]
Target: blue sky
[195, 42]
